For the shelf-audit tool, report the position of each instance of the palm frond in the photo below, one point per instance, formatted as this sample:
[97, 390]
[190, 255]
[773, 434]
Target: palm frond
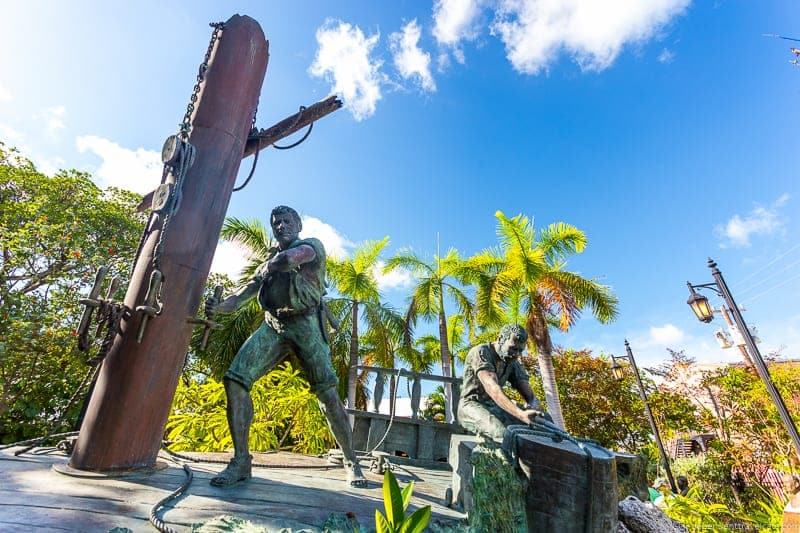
[559, 239]
[366, 254]
[591, 294]
[407, 259]
[249, 233]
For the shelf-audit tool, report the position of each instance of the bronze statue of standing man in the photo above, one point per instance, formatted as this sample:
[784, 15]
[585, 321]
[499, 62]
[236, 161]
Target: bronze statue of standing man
[290, 293]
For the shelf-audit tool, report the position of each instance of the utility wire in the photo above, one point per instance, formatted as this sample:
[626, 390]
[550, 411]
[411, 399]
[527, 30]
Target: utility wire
[770, 277]
[767, 265]
[781, 284]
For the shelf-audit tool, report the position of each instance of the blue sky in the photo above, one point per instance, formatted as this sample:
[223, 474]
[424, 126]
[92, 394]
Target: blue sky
[666, 129]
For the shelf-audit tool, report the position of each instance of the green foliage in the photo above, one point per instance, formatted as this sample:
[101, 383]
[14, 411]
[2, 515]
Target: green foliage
[434, 406]
[599, 407]
[353, 278]
[711, 474]
[696, 514]
[395, 503]
[498, 493]
[54, 234]
[287, 415]
[524, 280]
[768, 515]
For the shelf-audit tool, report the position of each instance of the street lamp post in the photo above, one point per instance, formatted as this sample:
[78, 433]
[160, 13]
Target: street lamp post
[619, 374]
[721, 288]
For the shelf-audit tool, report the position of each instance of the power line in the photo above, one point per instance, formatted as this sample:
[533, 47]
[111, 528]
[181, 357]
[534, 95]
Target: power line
[779, 37]
[781, 284]
[767, 265]
[770, 277]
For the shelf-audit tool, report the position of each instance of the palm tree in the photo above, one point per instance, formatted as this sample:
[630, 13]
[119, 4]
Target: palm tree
[525, 280]
[354, 280]
[239, 325]
[433, 280]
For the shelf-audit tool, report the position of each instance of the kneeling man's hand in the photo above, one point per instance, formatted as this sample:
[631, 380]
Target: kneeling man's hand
[529, 415]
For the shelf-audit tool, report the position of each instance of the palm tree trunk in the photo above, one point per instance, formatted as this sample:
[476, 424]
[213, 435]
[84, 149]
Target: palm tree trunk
[445, 351]
[538, 331]
[352, 373]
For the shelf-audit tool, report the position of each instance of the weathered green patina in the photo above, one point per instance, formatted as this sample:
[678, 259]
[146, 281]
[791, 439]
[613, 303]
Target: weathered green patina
[484, 409]
[290, 292]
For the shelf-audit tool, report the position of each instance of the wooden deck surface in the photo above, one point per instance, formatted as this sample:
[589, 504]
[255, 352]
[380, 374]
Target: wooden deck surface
[33, 497]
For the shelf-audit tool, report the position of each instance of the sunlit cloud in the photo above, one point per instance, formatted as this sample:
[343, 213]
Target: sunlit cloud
[136, 170]
[409, 59]
[455, 21]
[537, 32]
[344, 58]
[52, 119]
[229, 259]
[739, 230]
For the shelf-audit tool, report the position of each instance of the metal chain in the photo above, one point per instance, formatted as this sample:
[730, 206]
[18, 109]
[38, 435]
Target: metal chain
[180, 170]
[186, 125]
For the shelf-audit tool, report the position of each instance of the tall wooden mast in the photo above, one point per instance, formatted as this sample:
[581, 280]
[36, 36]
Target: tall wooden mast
[125, 419]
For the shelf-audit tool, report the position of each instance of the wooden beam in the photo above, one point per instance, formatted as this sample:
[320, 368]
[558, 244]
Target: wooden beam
[125, 420]
[267, 137]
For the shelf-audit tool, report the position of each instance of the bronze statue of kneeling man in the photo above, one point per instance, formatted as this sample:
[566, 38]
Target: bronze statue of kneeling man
[484, 408]
[290, 292]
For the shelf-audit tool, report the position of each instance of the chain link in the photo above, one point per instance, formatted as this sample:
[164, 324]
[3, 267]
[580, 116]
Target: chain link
[186, 125]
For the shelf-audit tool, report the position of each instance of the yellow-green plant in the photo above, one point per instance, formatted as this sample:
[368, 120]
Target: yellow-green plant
[287, 414]
[696, 514]
[395, 502]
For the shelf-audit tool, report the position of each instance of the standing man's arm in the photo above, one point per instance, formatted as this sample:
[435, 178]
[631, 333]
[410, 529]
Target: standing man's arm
[292, 258]
[237, 299]
[492, 387]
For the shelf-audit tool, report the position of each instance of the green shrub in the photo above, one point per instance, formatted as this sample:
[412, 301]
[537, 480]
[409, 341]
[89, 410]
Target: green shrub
[287, 415]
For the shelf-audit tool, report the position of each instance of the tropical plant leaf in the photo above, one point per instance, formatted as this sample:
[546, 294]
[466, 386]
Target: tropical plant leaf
[417, 521]
[392, 499]
[381, 524]
[406, 493]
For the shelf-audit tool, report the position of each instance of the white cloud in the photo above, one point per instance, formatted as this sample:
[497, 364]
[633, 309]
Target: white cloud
[666, 335]
[339, 246]
[5, 94]
[15, 138]
[666, 56]
[336, 245]
[455, 21]
[738, 230]
[409, 59]
[399, 278]
[229, 258]
[343, 58]
[593, 33]
[136, 170]
[53, 119]
[11, 136]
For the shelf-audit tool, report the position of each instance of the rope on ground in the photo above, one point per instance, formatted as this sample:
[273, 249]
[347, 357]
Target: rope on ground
[37, 440]
[158, 523]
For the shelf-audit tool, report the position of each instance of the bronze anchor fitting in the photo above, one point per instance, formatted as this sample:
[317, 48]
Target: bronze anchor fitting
[91, 303]
[208, 323]
[151, 305]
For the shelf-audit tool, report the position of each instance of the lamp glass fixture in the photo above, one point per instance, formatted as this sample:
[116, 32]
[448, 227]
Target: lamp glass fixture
[618, 371]
[701, 307]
